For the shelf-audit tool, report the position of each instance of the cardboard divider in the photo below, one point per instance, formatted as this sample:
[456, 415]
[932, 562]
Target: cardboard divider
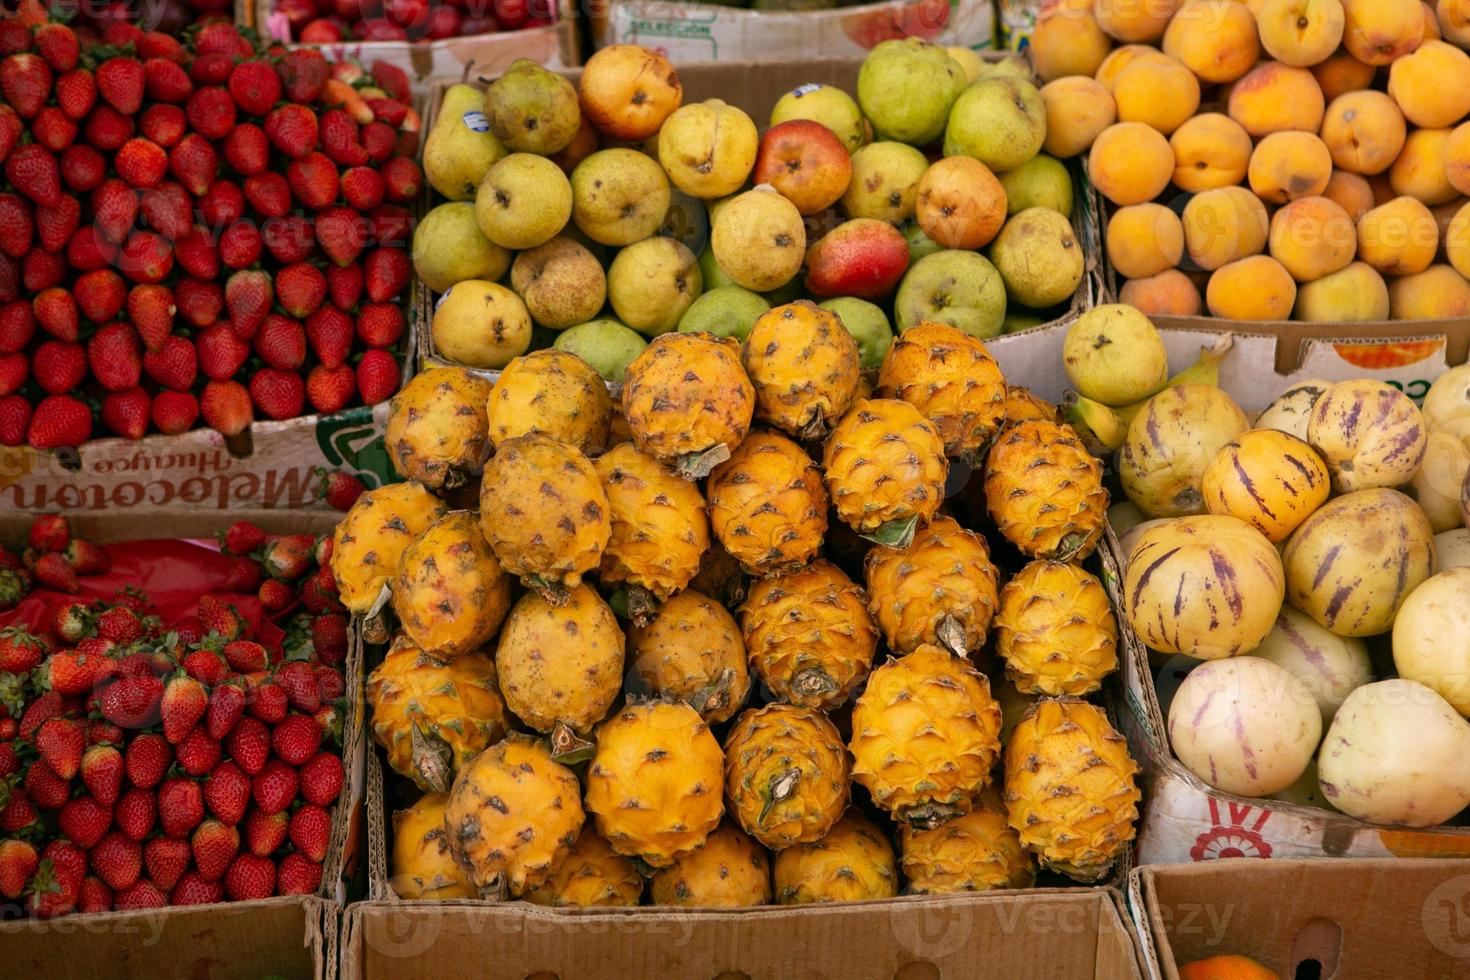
[1354, 918]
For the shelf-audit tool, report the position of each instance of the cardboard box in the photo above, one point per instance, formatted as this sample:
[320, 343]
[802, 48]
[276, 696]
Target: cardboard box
[1353, 920]
[694, 32]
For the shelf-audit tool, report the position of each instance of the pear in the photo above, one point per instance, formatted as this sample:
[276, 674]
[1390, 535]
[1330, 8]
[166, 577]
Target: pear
[460, 147]
[480, 324]
[448, 247]
[523, 201]
[532, 110]
[605, 344]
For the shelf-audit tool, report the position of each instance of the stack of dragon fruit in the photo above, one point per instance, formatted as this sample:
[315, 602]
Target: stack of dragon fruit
[195, 231]
[144, 765]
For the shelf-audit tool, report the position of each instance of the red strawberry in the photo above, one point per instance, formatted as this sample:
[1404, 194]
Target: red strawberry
[118, 625]
[305, 73]
[52, 894]
[311, 831]
[56, 312]
[141, 162]
[167, 859]
[243, 537]
[322, 778]
[49, 532]
[21, 651]
[151, 310]
[53, 571]
[101, 732]
[319, 594]
[377, 377]
[274, 787]
[269, 194]
[380, 324]
[155, 44]
[18, 326]
[289, 558]
[180, 806]
[292, 129]
[139, 896]
[255, 87]
[147, 257]
[289, 239]
[72, 673]
[211, 67]
[380, 140]
[46, 790]
[84, 820]
[42, 270]
[390, 111]
[107, 129]
[222, 204]
[15, 370]
[240, 245]
[227, 793]
[55, 226]
[18, 861]
[330, 332]
[269, 703]
[298, 875]
[117, 860]
[278, 394]
[10, 130]
[102, 772]
[116, 356]
[76, 93]
[194, 163]
[246, 656]
[403, 180]
[167, 81]
[184, 702]
[222, 36]
[19, 814]
[194, 889]
[196, 253]
[249, 745]
[300, 290]
[15, 414]
[211, 112]
[340, 490]
[392, 79]
[60, 742]
[386, 272]
[90, 558]
[214, 845]
[243, 575]
[331, 389]
[313, 179]
[169, 210]
[264, 833]
[32, 170]
[206, 667]
[220, 617]
[101, 294]
[362, 188]
[127, 412]
[132, 702]
[248, 295]
[18, 230]
[58, 44]
[340, 141]
[25, 81]
[276, 595]
[135, 812]
[247, 149]
[53, 129]
[250, 877]
[71, 622]
[175, 412]
[221, 353]
[281, 343]
[200, 303]
[342, 234]
[59, 367]
[163, 124]
[121, 33]
[198, 753]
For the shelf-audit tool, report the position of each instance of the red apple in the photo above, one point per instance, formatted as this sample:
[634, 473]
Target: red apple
[864, 258]
[806, 162]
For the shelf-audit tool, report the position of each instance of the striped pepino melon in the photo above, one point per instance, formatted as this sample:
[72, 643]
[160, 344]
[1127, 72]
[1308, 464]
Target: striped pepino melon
[1171, 442]
[1267, 478]
[1370, 435]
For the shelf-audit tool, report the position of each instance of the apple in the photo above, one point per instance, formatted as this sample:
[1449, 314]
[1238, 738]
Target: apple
[805, 162]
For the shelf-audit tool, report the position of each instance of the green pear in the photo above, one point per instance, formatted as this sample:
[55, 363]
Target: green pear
[1020, 318]
[448, 247]
[532, 110]
[969, 59]
[906, 88]
[561, 283]
[619, 196]
[868, 326]
[827, 105]
[920, 244]
[999, 121]
[1041, 182]
[1039, 257]
[651, 283]
[460, 147]
[885, 182]
[480, 324]
[725, 311]
[959, 288]
[523, 201]
[605, 344]
[714, 276]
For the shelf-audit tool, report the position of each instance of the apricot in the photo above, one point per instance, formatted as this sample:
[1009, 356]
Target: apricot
[1077, 109]
[1420, 170]
[1160, 92]
[1130, 163]
[1144, 240]
[1289, 165]
[1120, 58]
[1353, 294]
[1437, 293]
[1399, 238]
[1457, 241]
[1253, 288]
[1312, 237]
[1454, 20]
[1432, 85]
[1431, 24]
[1364, 131]
[1457, 158]
[1223, 225]
[1067, 41]
[1379, 31]
[1300, 33]
[1215, 39]
[1170, 293]
[1135, 21]
[1211, 150]
[1273, 97]
[1352, 193]
[1342, 73]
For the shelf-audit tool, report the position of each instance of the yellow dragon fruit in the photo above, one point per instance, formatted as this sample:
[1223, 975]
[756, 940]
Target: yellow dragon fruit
[854, 862]
[555, 393]
[450, 595]
[940, 590]
[659, 526]
[949, 376]
[767, 504]
[655, 781]
[804, 364]
[1044, 490]
[974, 852]
[1022, 405]
[808, 635]
[370, 539]
[437, 430]
[688, 401]
[592, 875]
[730, 871]
[691, 651]
[720, 576]
[786, 774]
[885, 470]
[925, 735]
[543, 510]
[422, 867]
[432, 716]
[513, 815]
[1055, 630]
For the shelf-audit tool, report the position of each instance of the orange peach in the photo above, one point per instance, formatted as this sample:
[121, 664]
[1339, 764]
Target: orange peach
[1253, 288]
[1364, 131]
[1342, 73]
[1289, 165]
[1067, 41]
[1223, 225]
[1273, 97]
[1144, 240]
[1210, 150]
[961, 204]
[1300, 32]
[1312, 237]
[1457, 158]
[1437, 293]
[1457, 241]
[1120, 58]
[1431, 24]
[1130, 163]
[1432, 85]
[1170, 293]
[1444, 216]
[1454, 20]
[1160, 92]
[1399, 238]
[1420, 169]
[1355, 293]
[1379, 31]
[1077, 109]
[1215, 39]
[1135, 21]
[1352, 192]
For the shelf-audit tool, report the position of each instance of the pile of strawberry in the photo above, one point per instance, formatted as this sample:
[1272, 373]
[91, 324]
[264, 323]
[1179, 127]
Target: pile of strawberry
[195, 231]
[333, 21]
[54, 559]
[142, 766]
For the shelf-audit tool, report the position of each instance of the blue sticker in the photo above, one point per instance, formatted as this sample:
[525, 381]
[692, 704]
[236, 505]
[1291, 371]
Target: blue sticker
[806, 89]
[440, 301]
[477, 122]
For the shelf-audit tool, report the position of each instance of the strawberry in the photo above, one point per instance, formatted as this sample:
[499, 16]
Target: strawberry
[269, 194]
[264, 833]
[180, 806]
[53, 571]
[116, 356]
[211, 67]
[255, 87]
[247, 149]
[25, 81]
[52, 894]
[331, 389]
[156, 44]
[240, 245]
[56, 312]
[84, 820]
[250, 877]
[19, 815]
[127, 412]
[15, 370]
[340, 139]
[174, 412]
[390, 111]
[205, 666]
[141, 162]
[100, 294]
[313, 179]
[310, 831]
[46, 790]
[227, 793]
[223, 37]
[214, 846]
[278, 394]
[200, 303]
[379, 140]
[402, 179]
[167, 81]
[60, 743]
[220, 617]
[71, 622]
[18, 861]
[59, 420]
[243, 576]
[166, 859]
[304, 73]
[49, 532]
[211, 112]
[90, 558]
[196, 253]
[322, 779]
[32, 170]
[169, 210]
[117, 860]
[276, 595]
[58, 44]
[142, 894]
[393, 80]
[222, 204]
[173, 365]
[269, 703]
[184, 702]
[15, 414]
[386, 273]
[300, 290]
[135, 812]
[377, 377]
[18, 326]
[342, 234]
[76, 94]
[248, 295]
[292, 130]
[147, 257]
[194, 163]
[249, 745]
[102, 772]
[151, 310]
[103, 732]
[121, 33]
[107, 129]
[340, 490]
[243, 537]
[132, 702]
[163, 124]
[42, 270]
[221, 353]
[281, 343]
[298, 875]
[289, 558]
[56, 225]
[194, 889]
[274, 787]
[21, 651]
[289, 238]
[380, 324]
[246, 656]
[18, 229]
[298, 738]
[72, 673]
[197, 752]
[319, 594]
[10, 129]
